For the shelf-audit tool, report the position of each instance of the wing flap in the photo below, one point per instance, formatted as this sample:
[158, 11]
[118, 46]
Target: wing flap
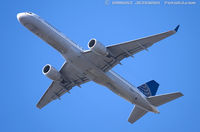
[54, 91]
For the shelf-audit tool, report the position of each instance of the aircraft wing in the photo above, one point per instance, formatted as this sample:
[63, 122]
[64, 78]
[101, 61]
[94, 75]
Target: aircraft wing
[72, 78]
[126, 49]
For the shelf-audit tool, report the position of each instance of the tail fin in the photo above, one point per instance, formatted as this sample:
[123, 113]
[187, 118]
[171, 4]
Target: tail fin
[162, 99]
[149, 89]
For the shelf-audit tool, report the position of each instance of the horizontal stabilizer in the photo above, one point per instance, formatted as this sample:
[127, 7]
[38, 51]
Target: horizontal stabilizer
[162, 99]
[158, 100]
[136, 114]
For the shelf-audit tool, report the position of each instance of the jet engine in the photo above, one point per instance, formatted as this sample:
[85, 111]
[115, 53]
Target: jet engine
[97, 47]
[51, 73]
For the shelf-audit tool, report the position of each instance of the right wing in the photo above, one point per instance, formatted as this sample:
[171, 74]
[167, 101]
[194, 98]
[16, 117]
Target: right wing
[72, 78]
[125, 49]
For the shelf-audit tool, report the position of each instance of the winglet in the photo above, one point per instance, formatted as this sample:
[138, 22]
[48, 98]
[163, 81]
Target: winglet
[177, 27]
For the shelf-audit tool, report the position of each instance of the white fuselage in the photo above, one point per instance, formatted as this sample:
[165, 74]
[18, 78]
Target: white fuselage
[73, 53]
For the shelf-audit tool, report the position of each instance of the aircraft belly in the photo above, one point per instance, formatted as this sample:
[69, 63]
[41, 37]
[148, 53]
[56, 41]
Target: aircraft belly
[49, 35]
[115, 85]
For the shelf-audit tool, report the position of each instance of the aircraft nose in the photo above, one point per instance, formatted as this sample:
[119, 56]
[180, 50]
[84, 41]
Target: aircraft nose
[21, 17]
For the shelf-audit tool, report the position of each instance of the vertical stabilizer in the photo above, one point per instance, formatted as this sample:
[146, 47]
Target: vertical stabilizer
[149, 89]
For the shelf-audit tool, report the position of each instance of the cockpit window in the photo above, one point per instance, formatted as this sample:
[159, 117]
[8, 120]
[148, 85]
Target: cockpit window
[29, 12]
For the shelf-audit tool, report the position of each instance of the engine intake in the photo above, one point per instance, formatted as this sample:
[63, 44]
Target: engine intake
[51, 73]
[97, 47]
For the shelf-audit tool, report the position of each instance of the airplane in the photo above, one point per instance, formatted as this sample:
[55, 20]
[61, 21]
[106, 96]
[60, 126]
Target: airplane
[96, 65]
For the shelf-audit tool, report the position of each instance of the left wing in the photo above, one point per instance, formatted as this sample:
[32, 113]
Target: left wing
[72, 78]
[126, 49]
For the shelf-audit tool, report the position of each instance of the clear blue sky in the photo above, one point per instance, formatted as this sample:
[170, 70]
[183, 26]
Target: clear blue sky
[173, 62]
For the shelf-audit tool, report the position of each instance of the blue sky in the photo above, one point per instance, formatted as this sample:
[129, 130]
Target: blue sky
[173, 62]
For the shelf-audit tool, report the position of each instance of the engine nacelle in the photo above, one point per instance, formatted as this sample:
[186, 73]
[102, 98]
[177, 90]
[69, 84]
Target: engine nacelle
[97, 47]
[51, 73]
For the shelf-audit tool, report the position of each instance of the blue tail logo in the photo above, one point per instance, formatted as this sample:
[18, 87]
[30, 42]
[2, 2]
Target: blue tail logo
[149, 89]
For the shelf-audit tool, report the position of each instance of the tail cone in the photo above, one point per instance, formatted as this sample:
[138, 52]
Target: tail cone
[155, 110]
